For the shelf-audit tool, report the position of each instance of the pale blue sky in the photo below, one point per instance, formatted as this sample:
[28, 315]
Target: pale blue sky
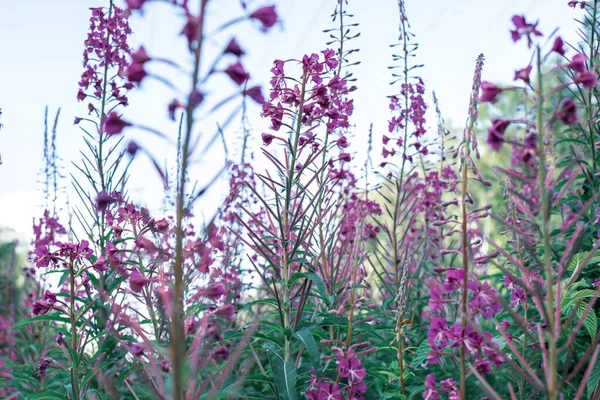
[42, 43]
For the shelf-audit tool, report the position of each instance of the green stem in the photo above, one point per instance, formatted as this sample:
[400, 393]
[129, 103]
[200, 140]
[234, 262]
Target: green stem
[74, 368]
[552, 360]
[177, 320]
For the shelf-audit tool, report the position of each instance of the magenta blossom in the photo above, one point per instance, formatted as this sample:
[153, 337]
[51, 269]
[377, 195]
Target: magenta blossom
[267, 138]
[234, 48]
[567, 112]
[577, 63]
[237, 73]
[113, 124]
[489, 92]
[137, 281]
[587, 79]
[266, 15]
[255, 93]
[135, 4]
[558, 46]
[523, 28]
[523, 74]
[496, 133]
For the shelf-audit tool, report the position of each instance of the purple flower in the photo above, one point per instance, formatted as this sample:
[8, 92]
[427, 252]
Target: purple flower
[135, 73]
[558, 46]
[431, 390]
[137, 281]
[103, 200]
[523, 28]
[577, 63]
[523, 74]
[100, 265]
[568, 112]
[196, 97]
[496, 133]
[226, 311]
[213, 292]
[267, 138]
[237, 73]
[255, 93]
[266, 15]
[140, 56]
[41, 307]
[345, 157]
[137, 349]
[113, 124]
[43, 366]
[191, 30]
[586, 79]
[135, 4]
[234, 48]
[165, 366]
[132, 148]
[489, 92]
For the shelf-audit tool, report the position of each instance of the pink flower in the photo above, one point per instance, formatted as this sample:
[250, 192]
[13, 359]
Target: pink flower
[489, 92]
[255, 93]
[234, 48]
[568, 112]
[586, 79]
[431, 390]
[558, 46]
[137, 281]
[213, 292]
[113, 124]
[140, 56]
[135, 4]
[135, 73]
[41, 307]
[523, 74]
[237, 73]
[267, 138]
[523, 28]
[266, 15]
[226, 311]
[577, 63]
[496, 133]
[191, 30]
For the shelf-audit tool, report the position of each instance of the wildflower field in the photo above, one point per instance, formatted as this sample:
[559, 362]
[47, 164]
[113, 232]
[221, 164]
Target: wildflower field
[419, 259]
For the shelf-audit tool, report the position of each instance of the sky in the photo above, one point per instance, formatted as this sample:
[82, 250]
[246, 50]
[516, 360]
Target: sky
[42, 45]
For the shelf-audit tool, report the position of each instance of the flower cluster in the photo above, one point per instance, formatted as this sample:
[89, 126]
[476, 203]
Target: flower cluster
[321, 93]
[106, 54]
[411, 109]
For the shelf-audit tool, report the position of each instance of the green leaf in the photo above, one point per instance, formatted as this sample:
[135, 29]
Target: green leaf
[52, 317]
[591, 322]
[316, 280]
[421, 355]
[578, 259]
[309, 343]
[593, 379]
[285, 378]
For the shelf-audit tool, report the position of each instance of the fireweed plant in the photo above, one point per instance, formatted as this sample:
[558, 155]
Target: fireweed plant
[315, 278]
